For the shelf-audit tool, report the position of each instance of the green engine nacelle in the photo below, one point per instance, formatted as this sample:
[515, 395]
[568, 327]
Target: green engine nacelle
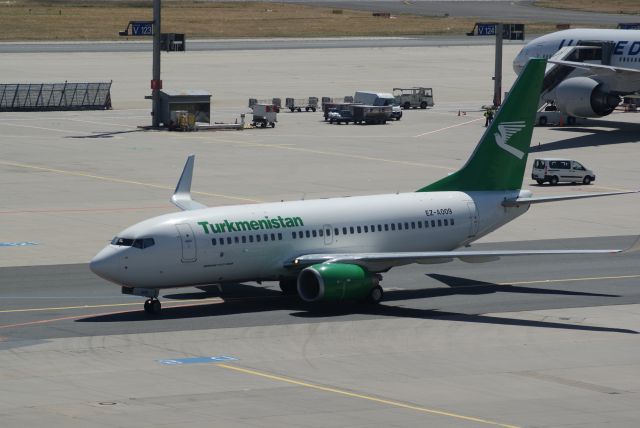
[335, 282]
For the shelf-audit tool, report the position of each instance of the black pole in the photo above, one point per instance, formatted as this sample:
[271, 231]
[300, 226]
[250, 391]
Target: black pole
[156, 83]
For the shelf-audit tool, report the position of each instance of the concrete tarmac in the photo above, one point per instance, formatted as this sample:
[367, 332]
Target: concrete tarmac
[526, 342]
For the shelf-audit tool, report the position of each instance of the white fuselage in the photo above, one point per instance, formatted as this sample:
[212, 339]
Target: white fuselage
[626, 51]
[255, 242]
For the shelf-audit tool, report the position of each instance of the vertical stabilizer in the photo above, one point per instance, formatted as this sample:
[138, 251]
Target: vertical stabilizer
[499, 159]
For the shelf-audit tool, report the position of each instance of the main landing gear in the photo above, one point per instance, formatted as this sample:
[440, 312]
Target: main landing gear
[152, 306]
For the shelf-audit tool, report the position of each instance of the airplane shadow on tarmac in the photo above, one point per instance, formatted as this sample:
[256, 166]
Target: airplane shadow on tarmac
[617, 133]
[245, 298]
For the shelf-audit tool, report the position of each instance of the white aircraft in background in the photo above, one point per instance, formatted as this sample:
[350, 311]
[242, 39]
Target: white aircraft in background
[590, 69]
[336, 249]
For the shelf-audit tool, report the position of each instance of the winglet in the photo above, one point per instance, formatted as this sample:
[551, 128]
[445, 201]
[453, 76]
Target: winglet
[182, 195]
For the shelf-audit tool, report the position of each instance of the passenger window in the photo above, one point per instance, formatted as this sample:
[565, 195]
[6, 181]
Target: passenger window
[351, 230]
[257, 238]
[266, 237]
[293, 235]
[336, 231]
[359, 229]
[433, 223]
[300, 235]
[393, 226]
[320, 232]
[214, 242]
[386, 227]
[221, 241]
[237, 239]
[451, 222]
[244, 239]
[273, 236]
[328, 232]
[279, 236]
[307, 233]
[439, 223]
[413, 225]
[406, 225]
[399, 226]
[314, 233]
[420, 224]
[446, 222]
[379, 228]
[366, 229]
[344, 230]
[373, 228]
[229, 240]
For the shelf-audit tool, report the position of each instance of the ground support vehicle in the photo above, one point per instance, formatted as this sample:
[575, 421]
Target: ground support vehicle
[264, 115]
[370, 114]
[340, 116]
[550, 115]
[557, 170]
[328, 107]
[298, 104]
[276, 102]
[379, 99]
[413, 97]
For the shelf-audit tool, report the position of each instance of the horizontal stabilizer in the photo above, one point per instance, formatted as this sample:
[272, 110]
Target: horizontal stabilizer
[525, 201]
[182, 195]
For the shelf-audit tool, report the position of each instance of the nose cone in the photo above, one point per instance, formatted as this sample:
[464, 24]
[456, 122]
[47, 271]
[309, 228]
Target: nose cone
[105, 264]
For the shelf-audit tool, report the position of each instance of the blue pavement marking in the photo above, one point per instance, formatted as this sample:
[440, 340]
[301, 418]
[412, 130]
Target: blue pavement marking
[197, 360]
[17, 244]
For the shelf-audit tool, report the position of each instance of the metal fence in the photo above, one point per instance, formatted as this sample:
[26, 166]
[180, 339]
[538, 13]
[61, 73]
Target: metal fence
[55, 96]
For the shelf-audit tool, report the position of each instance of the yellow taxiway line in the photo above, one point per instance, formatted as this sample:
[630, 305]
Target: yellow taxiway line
[362, 396]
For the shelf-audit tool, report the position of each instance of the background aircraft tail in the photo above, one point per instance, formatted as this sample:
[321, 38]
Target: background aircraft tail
[499, 159]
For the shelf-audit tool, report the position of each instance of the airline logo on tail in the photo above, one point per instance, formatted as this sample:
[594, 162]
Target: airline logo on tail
[505, 131]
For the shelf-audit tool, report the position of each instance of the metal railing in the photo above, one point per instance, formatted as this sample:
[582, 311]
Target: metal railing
[55, 96]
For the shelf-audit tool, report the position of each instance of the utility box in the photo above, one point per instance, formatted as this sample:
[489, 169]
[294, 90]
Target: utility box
[195, 102]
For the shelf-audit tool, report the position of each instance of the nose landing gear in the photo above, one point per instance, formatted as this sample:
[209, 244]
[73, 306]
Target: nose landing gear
[152, 306]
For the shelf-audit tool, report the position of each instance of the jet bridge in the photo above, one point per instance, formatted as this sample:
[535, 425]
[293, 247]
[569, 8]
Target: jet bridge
[55, 96]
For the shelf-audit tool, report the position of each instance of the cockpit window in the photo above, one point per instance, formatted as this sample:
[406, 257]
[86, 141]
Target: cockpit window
[122, 242]
[141, 243]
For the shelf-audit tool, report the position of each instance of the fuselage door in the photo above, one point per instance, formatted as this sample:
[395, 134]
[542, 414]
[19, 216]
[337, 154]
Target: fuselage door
[188, 242]
[328, 234]
[473, 219]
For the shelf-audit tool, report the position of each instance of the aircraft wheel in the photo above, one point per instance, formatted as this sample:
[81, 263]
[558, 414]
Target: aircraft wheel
[152, 306]
[375, 295]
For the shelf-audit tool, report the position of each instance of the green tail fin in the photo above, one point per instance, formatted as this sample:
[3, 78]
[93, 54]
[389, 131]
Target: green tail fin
[499, 159]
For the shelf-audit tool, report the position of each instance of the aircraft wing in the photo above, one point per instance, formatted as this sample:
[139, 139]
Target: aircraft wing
[601, 70]
[381, 262]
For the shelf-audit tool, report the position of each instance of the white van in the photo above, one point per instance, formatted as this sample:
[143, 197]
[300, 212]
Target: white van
[379, 99]
[557, 170]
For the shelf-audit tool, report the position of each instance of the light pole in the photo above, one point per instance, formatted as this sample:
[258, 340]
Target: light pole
[156, 82]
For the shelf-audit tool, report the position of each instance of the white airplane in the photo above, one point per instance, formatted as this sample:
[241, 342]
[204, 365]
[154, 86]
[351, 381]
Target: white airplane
[590, 69]
[336, 249]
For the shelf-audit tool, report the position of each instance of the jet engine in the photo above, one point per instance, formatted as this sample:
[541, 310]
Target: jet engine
[584, 97]
[335, 282]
